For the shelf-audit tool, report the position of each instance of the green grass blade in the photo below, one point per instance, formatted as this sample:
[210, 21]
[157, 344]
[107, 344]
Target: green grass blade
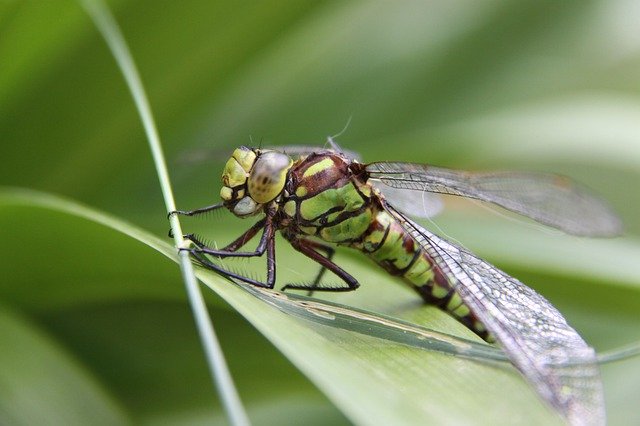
[108, 27]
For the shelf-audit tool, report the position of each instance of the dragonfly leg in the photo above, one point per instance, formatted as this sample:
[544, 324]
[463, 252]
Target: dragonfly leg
[309, 249]
[271, 277]
[234, 245]
[231, 249]
[196, 212]
[330, 251]
[266, 244]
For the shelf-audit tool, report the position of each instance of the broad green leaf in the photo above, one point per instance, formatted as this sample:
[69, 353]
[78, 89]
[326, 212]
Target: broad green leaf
[496, 84]
[350, 366]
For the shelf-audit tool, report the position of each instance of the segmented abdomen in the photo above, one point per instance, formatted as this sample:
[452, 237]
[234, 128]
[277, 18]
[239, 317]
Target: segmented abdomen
[390, 246]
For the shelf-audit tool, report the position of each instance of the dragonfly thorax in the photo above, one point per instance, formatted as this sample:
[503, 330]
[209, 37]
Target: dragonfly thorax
[252, 178]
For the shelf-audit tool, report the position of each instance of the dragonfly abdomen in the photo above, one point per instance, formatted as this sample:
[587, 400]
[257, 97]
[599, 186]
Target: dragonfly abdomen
[390, 246]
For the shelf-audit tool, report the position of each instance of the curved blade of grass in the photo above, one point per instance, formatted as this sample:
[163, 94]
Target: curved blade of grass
[223, 382]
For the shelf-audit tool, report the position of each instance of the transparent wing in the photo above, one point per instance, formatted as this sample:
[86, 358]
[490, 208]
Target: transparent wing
[549, 199]
[535, 336]
[424, 205]
[201, 155]
[302, 150]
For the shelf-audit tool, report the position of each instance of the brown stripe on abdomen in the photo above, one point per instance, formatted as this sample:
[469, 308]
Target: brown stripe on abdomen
[390, 246]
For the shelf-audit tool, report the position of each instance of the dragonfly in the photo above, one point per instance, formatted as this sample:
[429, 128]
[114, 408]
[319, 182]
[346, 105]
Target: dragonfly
[320, 198]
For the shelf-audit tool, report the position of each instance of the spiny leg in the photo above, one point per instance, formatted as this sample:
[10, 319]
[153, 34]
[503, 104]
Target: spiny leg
[266, 244]
[330, 251]
[271, 274]
[234, 245]
[306, 247]
[267, 234]
[195, 212]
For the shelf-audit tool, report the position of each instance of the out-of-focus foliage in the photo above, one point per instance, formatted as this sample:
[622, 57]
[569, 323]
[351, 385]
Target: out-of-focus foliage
[492, 84]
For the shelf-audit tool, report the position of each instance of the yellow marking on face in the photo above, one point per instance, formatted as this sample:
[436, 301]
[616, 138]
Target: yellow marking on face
[245, 157]
[233, 174]
[226, 193]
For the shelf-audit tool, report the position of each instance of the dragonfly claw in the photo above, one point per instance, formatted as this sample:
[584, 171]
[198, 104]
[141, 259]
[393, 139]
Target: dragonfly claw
[179, 212]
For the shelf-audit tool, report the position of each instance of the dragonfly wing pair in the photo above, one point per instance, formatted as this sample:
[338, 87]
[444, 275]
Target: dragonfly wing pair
[540, 343]
[535, 336]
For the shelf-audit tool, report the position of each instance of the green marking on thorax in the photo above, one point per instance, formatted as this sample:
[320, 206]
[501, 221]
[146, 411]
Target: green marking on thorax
[345, 196]
[333, 216]
[309, 230]
[318, 167]
[290, 208]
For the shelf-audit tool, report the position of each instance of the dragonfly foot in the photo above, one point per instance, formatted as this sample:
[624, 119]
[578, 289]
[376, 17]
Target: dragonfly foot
[179, 212]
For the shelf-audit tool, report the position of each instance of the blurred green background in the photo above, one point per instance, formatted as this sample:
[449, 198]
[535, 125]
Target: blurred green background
[548, 86]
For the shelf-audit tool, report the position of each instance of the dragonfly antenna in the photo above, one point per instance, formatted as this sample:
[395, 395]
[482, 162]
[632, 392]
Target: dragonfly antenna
[344, 129]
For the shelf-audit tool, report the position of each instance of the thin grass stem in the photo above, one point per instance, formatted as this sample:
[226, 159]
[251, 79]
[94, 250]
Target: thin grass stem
[106, 24]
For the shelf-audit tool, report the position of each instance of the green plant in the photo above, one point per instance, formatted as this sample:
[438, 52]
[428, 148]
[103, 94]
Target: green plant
[511, 85]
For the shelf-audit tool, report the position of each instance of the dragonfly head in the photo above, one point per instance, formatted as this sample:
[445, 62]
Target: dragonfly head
[252, 178]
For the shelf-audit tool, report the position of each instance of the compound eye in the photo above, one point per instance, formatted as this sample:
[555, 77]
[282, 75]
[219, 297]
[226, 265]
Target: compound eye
[268, 176]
